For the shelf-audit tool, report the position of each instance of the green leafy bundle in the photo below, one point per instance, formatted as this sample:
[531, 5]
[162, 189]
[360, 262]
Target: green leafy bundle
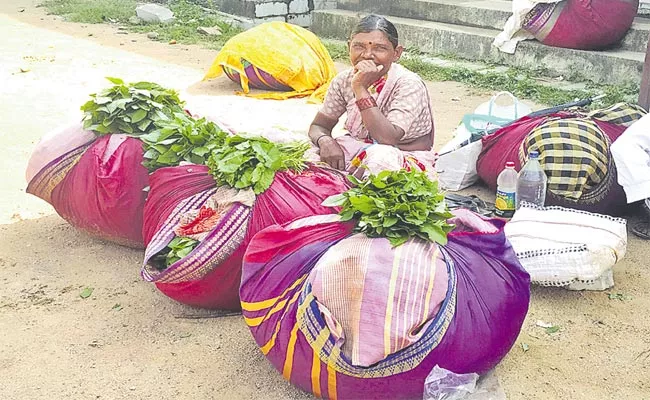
[245, 162]
[133, 109]
[396, 205]
[181, 138]
[179, 247]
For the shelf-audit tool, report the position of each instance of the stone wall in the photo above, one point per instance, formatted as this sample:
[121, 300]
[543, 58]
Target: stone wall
[255, 12]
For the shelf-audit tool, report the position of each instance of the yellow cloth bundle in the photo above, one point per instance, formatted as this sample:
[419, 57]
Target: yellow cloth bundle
[292, 55]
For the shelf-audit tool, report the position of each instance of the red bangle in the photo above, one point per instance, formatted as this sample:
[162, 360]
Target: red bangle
[366, 103]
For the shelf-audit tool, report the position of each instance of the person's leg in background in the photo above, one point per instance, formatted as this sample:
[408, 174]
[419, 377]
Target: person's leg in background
[631, 154]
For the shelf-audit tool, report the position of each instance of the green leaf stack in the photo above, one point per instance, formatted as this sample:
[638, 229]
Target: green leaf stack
[397, 205]
[181, 138]
[179, 247]
[132, 109]
[251, 162]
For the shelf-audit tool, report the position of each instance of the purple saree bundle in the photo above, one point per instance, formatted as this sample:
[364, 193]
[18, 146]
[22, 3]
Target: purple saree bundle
[348, 317]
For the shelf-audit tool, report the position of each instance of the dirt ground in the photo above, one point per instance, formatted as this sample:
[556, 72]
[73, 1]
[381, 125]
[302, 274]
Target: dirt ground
[127, 341]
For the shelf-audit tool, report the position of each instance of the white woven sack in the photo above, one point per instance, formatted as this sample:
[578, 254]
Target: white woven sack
[565, 247]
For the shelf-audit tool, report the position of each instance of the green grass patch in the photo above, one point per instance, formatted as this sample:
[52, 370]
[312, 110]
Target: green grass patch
[188, 18]
[521, 83]
[338, 50]
[92, 11]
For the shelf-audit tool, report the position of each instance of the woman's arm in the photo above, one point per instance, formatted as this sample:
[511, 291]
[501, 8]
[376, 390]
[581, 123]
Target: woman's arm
[378, 126]
[405, 124]
[320, 133]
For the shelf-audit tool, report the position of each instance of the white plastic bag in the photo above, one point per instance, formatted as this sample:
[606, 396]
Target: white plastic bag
[457, 170]
[442, 384]
[446, 385]
[456, 166]
[510, 112]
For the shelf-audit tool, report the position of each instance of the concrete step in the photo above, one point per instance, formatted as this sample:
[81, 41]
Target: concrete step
[478, 13]
[616, 66]
[636, 38]
[490, 14]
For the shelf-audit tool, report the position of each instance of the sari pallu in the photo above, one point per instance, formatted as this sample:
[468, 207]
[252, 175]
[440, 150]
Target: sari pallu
[97, 186]
[581, 24]
[478, 320]
[210, 275]
[574, 151]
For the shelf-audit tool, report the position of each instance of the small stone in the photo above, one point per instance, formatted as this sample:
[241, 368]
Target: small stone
[122, 33]
[214, 31]
[455, 99]
[153, 35]
[135, 20]
[172, 41]
[154, 13]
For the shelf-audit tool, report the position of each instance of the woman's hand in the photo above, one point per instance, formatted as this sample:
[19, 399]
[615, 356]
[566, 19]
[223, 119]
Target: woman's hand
[332, 153]
[366, 73]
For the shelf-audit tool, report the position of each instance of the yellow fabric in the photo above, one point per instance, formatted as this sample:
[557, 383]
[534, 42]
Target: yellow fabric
[291, 54]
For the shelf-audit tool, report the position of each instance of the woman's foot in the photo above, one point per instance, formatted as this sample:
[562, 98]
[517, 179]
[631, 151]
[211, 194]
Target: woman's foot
[642, 229]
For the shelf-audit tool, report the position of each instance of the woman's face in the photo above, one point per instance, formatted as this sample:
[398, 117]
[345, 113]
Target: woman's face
[373, 46]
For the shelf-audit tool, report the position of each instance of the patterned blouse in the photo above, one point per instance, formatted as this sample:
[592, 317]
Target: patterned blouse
[403, 99]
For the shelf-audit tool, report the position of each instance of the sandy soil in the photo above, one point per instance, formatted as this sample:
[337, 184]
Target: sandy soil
[127, 341]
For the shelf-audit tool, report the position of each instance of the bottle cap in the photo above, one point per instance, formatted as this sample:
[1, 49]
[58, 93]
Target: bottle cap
[510, 164]
[533, 154]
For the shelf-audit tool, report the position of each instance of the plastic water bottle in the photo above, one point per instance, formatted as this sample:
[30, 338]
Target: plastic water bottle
[531, 184]
[506, 191]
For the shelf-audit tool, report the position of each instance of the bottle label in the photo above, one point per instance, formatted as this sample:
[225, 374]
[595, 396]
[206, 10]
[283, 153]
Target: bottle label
[505, 204]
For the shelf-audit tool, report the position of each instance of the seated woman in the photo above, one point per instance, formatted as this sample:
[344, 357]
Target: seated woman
[389, 121]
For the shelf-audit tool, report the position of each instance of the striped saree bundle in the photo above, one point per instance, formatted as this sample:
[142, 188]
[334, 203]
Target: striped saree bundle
[348, 317]
[574, 149]
[96, 184]
[209, 276]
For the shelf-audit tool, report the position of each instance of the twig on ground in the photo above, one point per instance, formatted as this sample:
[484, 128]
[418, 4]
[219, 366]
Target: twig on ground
[219, 314]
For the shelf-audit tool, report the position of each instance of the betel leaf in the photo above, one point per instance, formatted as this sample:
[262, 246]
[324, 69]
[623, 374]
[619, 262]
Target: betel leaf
[129, 108]
[116, 81]
[336, 200]
[181, 138]
[86, 293]
[138, 116]
[178, 248]
[251, 162]
[397, 205]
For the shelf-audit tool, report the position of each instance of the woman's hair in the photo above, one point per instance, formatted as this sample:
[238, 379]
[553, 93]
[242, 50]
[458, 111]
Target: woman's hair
[374, 22]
